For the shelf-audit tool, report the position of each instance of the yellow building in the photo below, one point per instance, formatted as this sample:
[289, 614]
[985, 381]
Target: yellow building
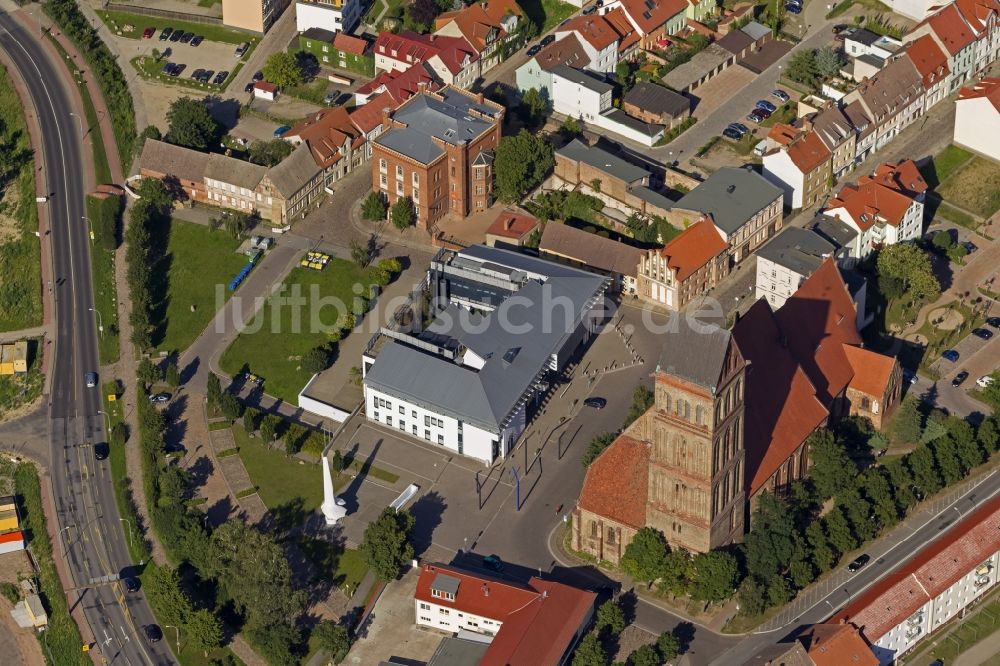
[14, 358]
[253, 15]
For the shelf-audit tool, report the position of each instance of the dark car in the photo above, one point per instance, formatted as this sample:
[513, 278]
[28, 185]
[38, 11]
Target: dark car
[196, 40]
[131, 584]
[859, 561]
[588, 11]
[206, 75]
[258, 76]
[159, 397]
[767, 106]
[101, 451]
[248, 88]
[795, 9]
[950, 355]
[740, 127]
[220, 77]
[196, 74]
[969, 246]
[176, 35]
[187, 37]
[153, 633]
[148, 33]
[165, 34]
[596, 403]
[994, 322]
[90, 379]
[533, 51]
[959, 378]
[178, 68]
[763, 112]
[731, 133]
[756, 116]
[982, 333]
[547, 39]
[169, 67]
[493, 563]
[910, 376]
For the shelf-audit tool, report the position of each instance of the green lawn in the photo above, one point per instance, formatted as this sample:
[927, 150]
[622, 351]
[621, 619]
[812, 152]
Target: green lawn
[547, 13]
[348, 565]
[102, 266]
[19, 390]
[20, 254]
[784, 114]
[280, 479]
[951, 213]
[975, 186]
[119, 476]
[214, 33]
[202, 262]
[944, 164]
[274, 351]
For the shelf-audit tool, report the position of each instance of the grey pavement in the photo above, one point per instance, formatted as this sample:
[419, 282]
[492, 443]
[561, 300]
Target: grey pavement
[276, 39]
[983, 651]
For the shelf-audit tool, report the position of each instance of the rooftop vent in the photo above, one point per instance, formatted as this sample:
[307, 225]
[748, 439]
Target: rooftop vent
[731, 189]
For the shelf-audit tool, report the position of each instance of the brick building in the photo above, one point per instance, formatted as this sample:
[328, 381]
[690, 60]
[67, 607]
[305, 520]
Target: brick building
[438, 150]
[689, 265]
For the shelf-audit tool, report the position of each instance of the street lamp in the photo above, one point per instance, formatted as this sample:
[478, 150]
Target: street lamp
[170, 626]
[100, 322]
[126, 520]
[90, 225]
[60, 539]
[79, 120]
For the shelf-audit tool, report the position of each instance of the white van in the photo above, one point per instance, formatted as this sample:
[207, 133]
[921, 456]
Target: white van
[759, 149]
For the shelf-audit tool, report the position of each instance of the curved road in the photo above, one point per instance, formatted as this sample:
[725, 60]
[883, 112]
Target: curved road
[91, 535]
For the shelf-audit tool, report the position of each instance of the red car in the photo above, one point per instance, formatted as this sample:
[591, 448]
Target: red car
[148, 33]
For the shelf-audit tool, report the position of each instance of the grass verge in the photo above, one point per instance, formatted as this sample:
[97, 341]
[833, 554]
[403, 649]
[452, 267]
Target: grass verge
[213, 33]
[937, 170]
[102, 268]
[281, 480]
[16, 391]
[137, 546]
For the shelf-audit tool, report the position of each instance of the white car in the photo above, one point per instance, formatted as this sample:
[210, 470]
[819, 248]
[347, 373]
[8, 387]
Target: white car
[984, 381]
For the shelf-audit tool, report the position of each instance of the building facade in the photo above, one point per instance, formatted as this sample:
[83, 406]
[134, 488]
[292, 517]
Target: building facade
[788, 261]
[977, 118]
[800, 166]
[685, 268]
[252, 15]
[332, 15]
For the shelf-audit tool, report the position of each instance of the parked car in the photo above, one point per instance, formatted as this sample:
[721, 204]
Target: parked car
[167, 68]
[589, 10]
[982, 333]
[176, 35]
[493, 563]
[994, 322]
[131, 584]
[859, 561]
[950, 355]
[196, 74]
[90, 379]
[241, 49]
[731, 133]
[596, 403]
[984, 381]
[781, 95]
[101, 451]
[533, 51]
[764, 112]
[909, 376]
[756, 116]
[258, 75]
[767, 106]
[969, 246]
[220, 78]
[280, 131]
[547, 39]
[178, 68]
[248, 88]
[165, 34]
[153, 633]
[959, 378]
[187, 37]
[740, 127]
[148, 33]
[196, 40]
[793, 8]
[159, 397]
[206, 76]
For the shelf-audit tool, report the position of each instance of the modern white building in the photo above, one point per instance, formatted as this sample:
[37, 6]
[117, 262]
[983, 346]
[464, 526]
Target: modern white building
[913, 9]
[332, 15]
[860, 42]
[977, 118]
[787, 261]
[932, 588]
[503, 324]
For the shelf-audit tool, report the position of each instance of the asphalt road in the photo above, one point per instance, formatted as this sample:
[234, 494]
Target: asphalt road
[91, 535]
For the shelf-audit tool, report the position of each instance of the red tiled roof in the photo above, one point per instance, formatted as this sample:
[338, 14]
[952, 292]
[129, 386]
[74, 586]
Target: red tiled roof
[951, 29]
[928, 59]
[988, 88]
[927, 574]
[783, 134]
[594, 29]
[615, 484]
[477, 594]
[818, 320]
[401, 85]
[807, 152]
[872, 371]
[619, 21]
[650, 15]
[976, 12]
[540, 632]
[566, 51]
[11, 537]
[693, 248]
[476, 21]
[325, 132]
[903, 177]
[419, 48]
[511, 224]
[369, 116]
[266, 87]
[349, 44]
[837, 645]
[455, 52]
[869, 202]
[781, 408]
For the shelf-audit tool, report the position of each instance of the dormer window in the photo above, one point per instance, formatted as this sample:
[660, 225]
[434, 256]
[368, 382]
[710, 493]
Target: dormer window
[444, 587]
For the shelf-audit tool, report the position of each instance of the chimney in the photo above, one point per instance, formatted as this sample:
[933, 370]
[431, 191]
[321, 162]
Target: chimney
[422, 86]
[480, 98]
[386, 116]
[486, 590]
[508, 224]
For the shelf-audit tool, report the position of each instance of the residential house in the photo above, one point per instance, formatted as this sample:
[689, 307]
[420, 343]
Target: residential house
[438, 150]
[787, 261]
[470, 382]
[233, 183]
[653, 20]
[336, 143]
[652, 103]
[934, 586]
[297, 182]
[894, 99]
[932, 64]
[700, 10]
[450, 59]
[864, 143]
[604, 256]
[977, 118]
[859, 42]
[511, 227]
[597, 36]
[953, 35]
[537, 623]
[917, 10]
[885, 208]
[537, 71]
[338, 50]
[331, 15]
[834, 644]
[181, 169]
[484, 25]
[579, 94]
[837, 133]
[983, 17]
[801, 166]
[685, 268]
[744, 206]
[782, 654]
[844, 238]
[630, 41]
[252, 15]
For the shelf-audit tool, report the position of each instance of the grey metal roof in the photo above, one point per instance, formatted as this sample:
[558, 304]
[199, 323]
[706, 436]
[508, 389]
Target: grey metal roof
[799, 250]
[860, 35]
[872, 60]
[697, 67]
[585, 79]
[731, 196]
[636, 125]
[652, 197]
[320, 35]
[695, 352]
[756, 30]
[171, 160]
[602, 160]
[833, 230]
[233, 171]
[515, 343]
[294, 172]
[447, 115]
[445, 583]
[453, 651]
[658, 99]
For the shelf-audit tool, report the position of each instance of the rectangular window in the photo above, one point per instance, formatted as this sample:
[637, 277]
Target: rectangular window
[414, 429]
[413, 413]
[427, 435]
[399, 171]
[416, 179]
[427, 420]
[382, 164]
[424, 606]
[402, 410]
[441, 439]
[388, 421]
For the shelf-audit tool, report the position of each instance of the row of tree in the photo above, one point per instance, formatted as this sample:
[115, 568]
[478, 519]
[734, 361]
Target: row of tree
[609, 622]
[146, 243]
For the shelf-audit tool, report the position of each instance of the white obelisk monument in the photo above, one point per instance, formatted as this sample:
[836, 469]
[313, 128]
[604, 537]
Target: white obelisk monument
[331, 509]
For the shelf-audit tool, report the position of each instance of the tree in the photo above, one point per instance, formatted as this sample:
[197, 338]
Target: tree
[213, 393]
[269, 427]
[316, 359]
[676, 574]
[570, 128]
[946, 458]
[359, 252]
[715, 576]
[839, 531]
[403, 213]
[148, 372]
[275, 641]
[172, 375]
[334, 638]
[596, 447]
[642, 400]
[988, 434]
[623, 74]
[943, 241]
[589, 652]
[801, 569]
[991, 394]
[644, 655]
[533, 107]
[802, 67]
[902, 484]
[769, 544]
[906, 422]
[269, 153]
[420, 15]
[282, 69]
[822, 555]
[522, 162]
[251, 419]
[118, 435]
[191, 125]
[374, 207]
[164, 585]
[336, 460]
[858, 512]
[920, 461]
[911, 265]
[669, 645]
[828, 62]
[386, 543]
[611, 617]
[832, 470]
[964, 438]
[204, 630]
[876, 487]
[752, 597]
[230, 406]
[644, 557]
[778, 591]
